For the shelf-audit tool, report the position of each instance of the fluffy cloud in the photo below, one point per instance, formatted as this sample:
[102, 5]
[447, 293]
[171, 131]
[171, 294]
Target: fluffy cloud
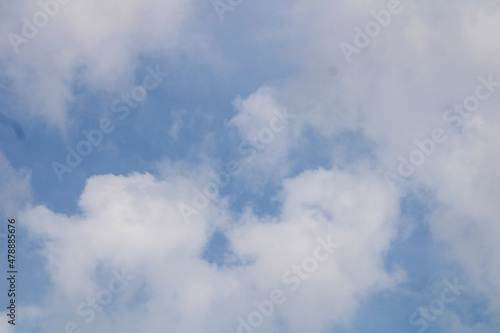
[396, 91]
[92, 42]
[466, 181]
[130, 223]
[393, 92]
[359, 213]
[133, 223]
[267, 128]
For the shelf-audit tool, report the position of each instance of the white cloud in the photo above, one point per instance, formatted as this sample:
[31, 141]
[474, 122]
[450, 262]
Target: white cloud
[358, 211]
[93, 43]
[466, 181]
[133, 222]
[396, 91]
[15, 189]
[4, 326]
[267, 127]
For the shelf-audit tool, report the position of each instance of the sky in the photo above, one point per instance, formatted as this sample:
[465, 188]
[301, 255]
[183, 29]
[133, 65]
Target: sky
[235, 166]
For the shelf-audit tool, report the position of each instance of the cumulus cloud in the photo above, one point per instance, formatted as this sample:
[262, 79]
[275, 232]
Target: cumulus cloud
[147, 237]
[359, 213]
[398, 90]
[133, 222]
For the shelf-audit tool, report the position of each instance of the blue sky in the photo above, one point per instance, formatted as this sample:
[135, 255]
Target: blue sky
[291, 166]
